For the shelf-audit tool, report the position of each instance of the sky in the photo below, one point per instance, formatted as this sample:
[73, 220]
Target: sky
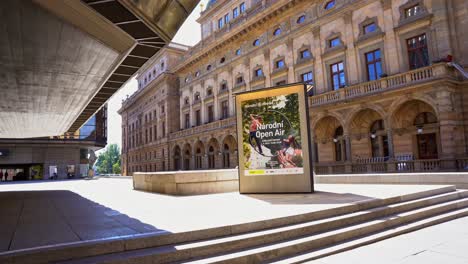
[188, 34]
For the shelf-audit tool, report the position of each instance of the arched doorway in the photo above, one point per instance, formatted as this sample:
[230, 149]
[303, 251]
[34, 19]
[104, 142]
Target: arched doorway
[177, 158]
[328, 140]
[369, 137]
[199, 154]
[426, 142]
[339, 144]
[416, 130]
[229, 152]
[187, 156]
[213, 153]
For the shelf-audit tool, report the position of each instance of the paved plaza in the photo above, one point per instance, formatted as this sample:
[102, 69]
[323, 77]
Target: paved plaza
[51, 212]
[445, 243]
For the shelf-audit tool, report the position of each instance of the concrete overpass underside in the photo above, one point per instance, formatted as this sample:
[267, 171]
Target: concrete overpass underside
[61, 60]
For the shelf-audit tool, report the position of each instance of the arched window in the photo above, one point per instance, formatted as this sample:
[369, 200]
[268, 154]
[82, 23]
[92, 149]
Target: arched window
[211, 158]
[339, 144]
[238, 52]
[208, 68]
[256, 43]
[222, 60]
[301, 19]
[329, 5]
[277, 32]
[425, 118]
[226, 157]
[197, 74]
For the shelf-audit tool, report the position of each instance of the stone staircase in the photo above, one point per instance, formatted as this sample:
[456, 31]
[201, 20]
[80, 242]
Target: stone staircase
[293, 239]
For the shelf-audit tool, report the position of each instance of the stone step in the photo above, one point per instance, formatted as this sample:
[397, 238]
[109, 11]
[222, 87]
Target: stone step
[418, 219]
[181, 252]
[147, 242]
[349, 245]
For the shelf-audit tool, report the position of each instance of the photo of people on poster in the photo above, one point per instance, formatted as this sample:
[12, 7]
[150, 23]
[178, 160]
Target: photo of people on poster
[271, 135]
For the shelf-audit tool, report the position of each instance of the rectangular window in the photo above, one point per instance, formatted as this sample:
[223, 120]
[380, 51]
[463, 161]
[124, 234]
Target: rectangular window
[305, 54]
[370, 28]
[210, 114]
[307, 77]
[187, 121]
[418, 54]
[220, 23]
[239, 80]
[197, 117]
[412, 11]
[226, 18]
[281, 82]
[258, 73]
[155, 132]
[163, 129]
[224, 109]
[334, 42]
[337, 75]
[223, 86]
[373, 65]
[235, 12]
[162, 109]
[279, 64]
[242, 8]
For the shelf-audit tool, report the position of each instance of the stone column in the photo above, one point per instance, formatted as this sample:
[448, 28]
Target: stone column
[391, 153]
[347, 139]
[352, 68]
[290, 47]
[267, 67]
[319, 72]
[392, 53]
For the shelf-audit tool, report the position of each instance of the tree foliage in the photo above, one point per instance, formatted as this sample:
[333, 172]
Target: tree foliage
[109, 160]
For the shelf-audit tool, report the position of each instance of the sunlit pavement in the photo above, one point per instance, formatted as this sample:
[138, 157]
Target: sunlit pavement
[50, 212]
[446, 243]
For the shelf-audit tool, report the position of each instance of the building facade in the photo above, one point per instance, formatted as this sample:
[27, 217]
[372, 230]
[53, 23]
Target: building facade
[61, 156]
[386, 95]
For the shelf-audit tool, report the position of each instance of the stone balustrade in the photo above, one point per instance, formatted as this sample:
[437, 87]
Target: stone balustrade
[231, 121]
[393, 166]
[426, 74]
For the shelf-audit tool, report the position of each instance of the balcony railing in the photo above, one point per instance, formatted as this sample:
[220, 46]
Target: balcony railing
[426, 74]
[393, 166]
[230, 121]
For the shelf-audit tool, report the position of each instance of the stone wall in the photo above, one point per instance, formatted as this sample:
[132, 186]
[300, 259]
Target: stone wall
[187, 182]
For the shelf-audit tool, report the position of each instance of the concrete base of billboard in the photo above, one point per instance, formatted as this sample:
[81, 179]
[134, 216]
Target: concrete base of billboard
[187, 182]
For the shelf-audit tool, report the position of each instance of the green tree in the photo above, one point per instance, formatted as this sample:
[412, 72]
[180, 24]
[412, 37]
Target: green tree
[116, 168]
[109, 160]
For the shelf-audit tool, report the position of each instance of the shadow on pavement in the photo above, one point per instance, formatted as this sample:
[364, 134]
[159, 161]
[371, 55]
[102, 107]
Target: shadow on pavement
[38, 218]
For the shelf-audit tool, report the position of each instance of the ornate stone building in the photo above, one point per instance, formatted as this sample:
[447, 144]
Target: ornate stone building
[385, 95]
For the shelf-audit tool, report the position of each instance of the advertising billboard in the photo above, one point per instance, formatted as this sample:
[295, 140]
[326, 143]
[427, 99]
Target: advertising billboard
[273, 140]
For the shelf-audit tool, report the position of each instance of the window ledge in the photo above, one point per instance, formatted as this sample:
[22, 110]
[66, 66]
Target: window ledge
[258, 79]
[410, 20]
[278, 71]
[368, 37]
[334, 50]
[301, 61]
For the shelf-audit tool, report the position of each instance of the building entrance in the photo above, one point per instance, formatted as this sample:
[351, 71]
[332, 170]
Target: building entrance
[20, 172]
[427, 146]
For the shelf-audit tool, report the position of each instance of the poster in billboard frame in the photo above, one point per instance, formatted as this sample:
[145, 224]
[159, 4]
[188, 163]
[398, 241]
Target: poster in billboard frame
[274, 140]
